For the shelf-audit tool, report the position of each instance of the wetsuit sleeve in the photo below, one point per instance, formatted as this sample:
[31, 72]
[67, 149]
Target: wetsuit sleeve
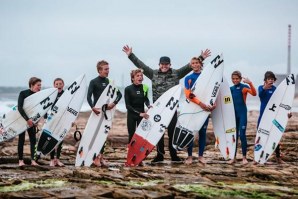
[262, 92]
[187, 91]
[21, 104]
[183, 71]
[147, 101]
[89, 94]
[119, 96]
[128, 100]
[148, 72]
[250, 90]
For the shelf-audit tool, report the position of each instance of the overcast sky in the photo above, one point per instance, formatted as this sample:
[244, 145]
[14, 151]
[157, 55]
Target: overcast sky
[65, 38]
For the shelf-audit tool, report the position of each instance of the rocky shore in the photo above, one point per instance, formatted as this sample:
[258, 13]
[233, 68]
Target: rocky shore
[216, 179]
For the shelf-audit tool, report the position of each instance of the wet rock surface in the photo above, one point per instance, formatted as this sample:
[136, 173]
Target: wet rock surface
[216, 179]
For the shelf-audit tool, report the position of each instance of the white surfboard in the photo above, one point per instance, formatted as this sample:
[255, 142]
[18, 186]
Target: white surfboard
[150, 130]
[192, 116]
[62, 115]
[35, 106]
[223, 120]
[274, 119]
[97, 128]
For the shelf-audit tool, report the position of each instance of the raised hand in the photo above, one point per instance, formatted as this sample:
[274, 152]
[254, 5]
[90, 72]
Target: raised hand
[127, 50]
[246, 80]
[206, 53]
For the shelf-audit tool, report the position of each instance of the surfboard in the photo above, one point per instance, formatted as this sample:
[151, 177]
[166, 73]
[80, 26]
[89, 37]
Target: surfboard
[223, 121]
[35, 106]
[62, 115]
[192, 116]
[274, 120]
[150, 130]
[97, 128]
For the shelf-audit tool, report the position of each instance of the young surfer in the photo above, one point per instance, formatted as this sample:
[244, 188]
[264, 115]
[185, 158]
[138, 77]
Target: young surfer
[59, 84]
[239, 93]
[265, 92]
[95, 89]
[34, 86]
[196, 65]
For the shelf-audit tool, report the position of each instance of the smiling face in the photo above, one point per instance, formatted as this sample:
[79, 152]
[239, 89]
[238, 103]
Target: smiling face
[164, 67]
[236, 79]
[196, 65]
[138, 78]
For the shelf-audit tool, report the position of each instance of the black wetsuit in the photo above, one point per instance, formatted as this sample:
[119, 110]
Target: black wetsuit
[59, 147]
[135, 98]
[31, 131]
[95, 89]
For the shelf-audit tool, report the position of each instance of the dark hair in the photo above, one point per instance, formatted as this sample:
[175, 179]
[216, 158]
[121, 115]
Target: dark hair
[33, 81]
[238, 73]
[100, 64]
[134, 72]
[269, 75]
[58, 79]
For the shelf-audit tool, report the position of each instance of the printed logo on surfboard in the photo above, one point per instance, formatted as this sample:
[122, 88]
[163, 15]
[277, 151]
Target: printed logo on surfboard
[263, 131]
[285, 106]
[146, 125]
[258, 147]
[227, 99]
[232, 130]
[215, 89]
[278, 125]
[157, 118]
[273, 108]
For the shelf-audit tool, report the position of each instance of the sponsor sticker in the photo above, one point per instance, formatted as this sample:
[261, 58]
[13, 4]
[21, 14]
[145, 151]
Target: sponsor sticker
[232, 130]
[278, 125]
[258, 147]
[227, 99]
[146, 125]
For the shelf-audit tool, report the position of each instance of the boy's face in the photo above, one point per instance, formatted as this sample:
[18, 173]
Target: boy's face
[59, 84]
[196, 65]
[138, 79]
[164, 67]
[269, 81]
[36, 87]
[104, 72]
[236, 79]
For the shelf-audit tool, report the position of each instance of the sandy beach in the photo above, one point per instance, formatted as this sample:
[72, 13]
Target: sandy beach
[216, 179]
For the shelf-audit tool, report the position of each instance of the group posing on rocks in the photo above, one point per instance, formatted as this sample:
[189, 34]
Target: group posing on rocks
[136, 98]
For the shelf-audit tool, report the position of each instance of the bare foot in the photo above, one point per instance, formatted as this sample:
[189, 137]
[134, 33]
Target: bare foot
[202, 160]
[232, 161]
[33, 163]
[52, 163]
[21, 163]
[60, 164]
[188, 161]
[96, 162]
[244, 161]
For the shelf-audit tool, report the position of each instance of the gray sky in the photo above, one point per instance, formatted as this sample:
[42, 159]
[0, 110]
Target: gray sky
[63, 38]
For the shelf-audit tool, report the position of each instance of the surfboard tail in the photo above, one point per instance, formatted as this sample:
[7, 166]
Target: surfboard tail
[46, 144]
[182, 137]
[138, 149]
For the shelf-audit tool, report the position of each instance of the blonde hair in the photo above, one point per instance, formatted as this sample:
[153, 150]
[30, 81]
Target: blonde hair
[100, 64]
[134, 72]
